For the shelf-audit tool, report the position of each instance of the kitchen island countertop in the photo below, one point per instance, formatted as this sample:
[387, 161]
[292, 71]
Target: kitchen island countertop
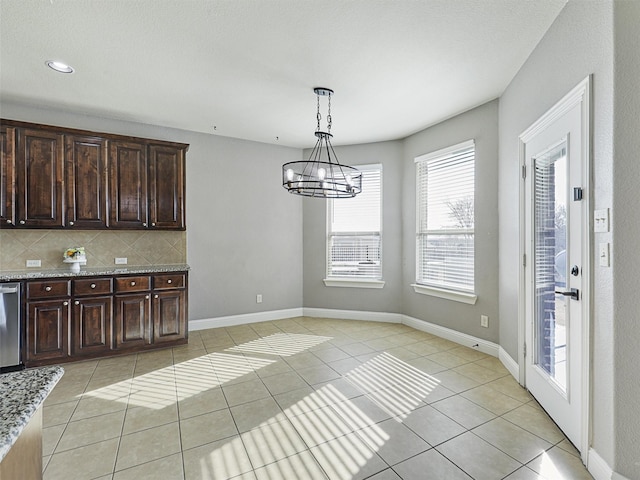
[21, 394]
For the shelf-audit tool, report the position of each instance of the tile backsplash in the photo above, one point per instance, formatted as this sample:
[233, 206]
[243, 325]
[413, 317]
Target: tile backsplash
[101, 246]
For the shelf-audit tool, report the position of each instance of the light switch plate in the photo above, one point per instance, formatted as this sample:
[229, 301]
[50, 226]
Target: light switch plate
[601, 220]
[603, 255]
[34, 263]
[484, 321]
[121, 260]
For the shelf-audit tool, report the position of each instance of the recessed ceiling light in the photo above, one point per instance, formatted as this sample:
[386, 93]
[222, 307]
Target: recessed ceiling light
[59, 66]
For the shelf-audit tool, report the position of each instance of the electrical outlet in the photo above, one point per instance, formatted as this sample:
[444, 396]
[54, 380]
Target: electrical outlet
[259, 298]
[34, 263]
[484, 321]
[120, 260]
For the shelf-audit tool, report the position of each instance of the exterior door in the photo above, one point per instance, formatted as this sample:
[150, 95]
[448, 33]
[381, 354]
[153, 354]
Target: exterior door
[556, 248]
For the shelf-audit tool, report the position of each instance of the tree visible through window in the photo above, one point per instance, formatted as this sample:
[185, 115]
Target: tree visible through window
[445, 224]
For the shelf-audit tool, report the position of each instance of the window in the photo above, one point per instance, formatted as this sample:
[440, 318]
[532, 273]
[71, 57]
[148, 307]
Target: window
[445, 221]
[354, 245]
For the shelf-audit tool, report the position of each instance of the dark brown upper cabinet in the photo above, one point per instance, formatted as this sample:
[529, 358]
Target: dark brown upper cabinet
[128, 207]
[7, 176]
[166, 187]
[86, 181]
[39, 166]
[54, 177]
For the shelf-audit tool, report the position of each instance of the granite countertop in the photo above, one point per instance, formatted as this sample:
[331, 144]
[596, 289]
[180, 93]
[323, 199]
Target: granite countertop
[21, 394]
[90, 272]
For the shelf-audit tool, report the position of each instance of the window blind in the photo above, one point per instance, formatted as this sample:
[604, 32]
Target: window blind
[354, 243]
[445, 224]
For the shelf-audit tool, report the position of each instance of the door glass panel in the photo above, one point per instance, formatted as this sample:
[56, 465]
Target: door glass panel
[550, 250]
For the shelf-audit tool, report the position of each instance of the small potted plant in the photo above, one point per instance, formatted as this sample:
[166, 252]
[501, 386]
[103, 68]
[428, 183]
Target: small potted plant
[75, 256]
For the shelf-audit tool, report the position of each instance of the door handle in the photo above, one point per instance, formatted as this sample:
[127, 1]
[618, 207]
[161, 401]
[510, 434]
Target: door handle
[573, 293]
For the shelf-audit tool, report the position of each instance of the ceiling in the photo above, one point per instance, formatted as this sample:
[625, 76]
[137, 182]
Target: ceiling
[248, 67]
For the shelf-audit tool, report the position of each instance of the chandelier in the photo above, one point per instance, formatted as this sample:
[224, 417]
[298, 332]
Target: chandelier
[322, 175]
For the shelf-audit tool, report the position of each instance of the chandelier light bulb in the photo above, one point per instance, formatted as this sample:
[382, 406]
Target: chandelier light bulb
[322, 173]
[289, 174]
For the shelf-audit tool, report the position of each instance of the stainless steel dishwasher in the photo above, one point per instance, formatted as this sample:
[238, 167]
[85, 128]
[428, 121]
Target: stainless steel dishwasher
[9, 326]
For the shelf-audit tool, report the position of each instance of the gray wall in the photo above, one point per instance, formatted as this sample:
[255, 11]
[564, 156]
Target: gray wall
[579, 43]
[387, 299]
[480, 124]
[626, 232]
[244, 232]
[399, 226]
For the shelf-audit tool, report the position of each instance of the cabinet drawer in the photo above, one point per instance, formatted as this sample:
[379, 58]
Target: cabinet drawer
[92, 286]
[48, 289]
[133, 284]
[168, 280]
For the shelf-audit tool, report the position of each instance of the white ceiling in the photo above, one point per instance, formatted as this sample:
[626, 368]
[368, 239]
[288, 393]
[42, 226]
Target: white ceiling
[249, 66]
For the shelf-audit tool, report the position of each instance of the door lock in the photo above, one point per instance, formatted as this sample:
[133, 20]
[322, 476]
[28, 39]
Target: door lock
[575, 270]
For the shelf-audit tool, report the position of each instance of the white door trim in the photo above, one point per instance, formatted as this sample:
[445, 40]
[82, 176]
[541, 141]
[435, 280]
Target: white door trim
[580, 95]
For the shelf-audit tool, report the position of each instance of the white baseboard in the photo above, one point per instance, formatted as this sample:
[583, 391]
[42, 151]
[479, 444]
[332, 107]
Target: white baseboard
[484, 346]
[352, 315]
[242, 319]
[509, 363]
[470, 341]
[617, 476]
[598, 468]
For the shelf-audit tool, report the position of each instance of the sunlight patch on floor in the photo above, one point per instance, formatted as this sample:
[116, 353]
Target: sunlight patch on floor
[397, 387]
[281, 344]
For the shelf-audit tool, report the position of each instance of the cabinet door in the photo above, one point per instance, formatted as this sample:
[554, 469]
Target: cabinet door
[169, 316]
[86, 182]
[127, 185]
[7, 176]
[92, 325]
[39, 178]
[47, 330]
[133, 320]
[166, 187]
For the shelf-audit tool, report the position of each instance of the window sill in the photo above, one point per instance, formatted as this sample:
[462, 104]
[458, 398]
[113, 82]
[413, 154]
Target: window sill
[353, 283]
[456, 296]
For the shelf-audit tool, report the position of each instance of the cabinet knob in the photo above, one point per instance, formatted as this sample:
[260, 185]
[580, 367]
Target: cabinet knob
[144, 224]
[9, 222]
[71, 223]
[93, 285]
[65, 303]
[156, 296]
[47, 288]
[169, 281]
[22, 222]
[147, 297]
[133, 284]
[153, 224]
[77, 302]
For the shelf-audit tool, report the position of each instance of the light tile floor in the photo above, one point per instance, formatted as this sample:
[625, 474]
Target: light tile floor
[301, 398]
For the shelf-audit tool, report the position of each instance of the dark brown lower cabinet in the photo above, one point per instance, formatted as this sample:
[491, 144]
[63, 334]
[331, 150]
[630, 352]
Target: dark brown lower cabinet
[94, 317]
[169, 316]
[92, 325]
[133, 320]
[47, 330]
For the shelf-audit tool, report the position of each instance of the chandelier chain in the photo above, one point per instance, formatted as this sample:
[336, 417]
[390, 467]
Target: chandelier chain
[318, 116]
[329, 116]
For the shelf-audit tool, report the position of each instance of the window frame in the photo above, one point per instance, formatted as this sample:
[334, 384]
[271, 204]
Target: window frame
[346, 280]
[436, 289]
